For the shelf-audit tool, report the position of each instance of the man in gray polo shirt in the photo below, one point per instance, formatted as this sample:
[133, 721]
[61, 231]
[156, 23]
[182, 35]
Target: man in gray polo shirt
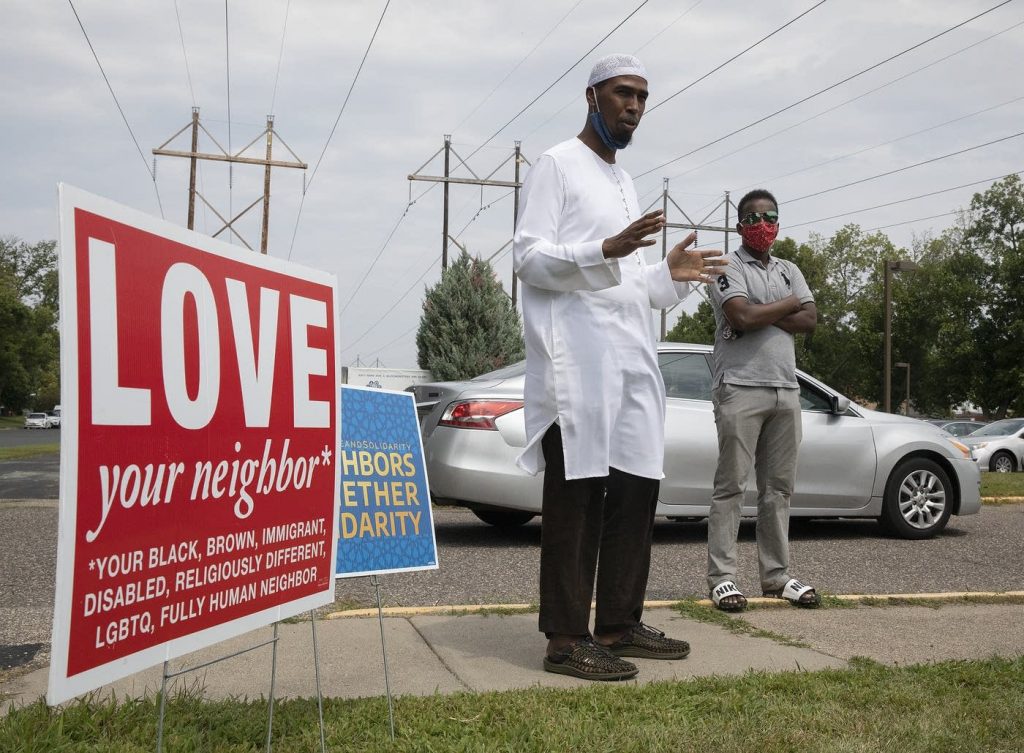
[760, 302]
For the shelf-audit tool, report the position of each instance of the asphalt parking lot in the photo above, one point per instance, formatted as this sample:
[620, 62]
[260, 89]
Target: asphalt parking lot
[480, 564]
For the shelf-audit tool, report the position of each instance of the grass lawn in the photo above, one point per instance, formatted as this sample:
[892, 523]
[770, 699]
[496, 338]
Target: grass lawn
[953, 706]
[12, 422]
[28, 451]
[1002, 484]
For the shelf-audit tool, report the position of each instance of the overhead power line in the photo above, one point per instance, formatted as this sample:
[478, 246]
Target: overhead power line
[373, 264]
[822, 91]
[280, 56]
[676, 20]
[903, 201]
[884, 143]
[905, 168]
[389, 343]
[734, 57]
[637, 51]
[393, 306]
[337, 120]
[131, 133]
[192, 92]
[564, 74]
[833, 108]
[910, 222]
[184, 54]
[517, 66]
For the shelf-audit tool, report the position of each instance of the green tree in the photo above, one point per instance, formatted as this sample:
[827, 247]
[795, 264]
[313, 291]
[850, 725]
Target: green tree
[34, 269]
[698, 327]
[995, 233]
[960, 321]
[29, 342]
[468, 325]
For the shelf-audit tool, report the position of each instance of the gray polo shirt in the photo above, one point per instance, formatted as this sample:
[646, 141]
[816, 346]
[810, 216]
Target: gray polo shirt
[763, 357]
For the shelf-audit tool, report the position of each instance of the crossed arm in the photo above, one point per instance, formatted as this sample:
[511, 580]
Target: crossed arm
[787, 314]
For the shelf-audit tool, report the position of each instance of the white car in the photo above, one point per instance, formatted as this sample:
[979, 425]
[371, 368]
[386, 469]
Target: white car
[999, 446]
[854, 462]
[37, 421]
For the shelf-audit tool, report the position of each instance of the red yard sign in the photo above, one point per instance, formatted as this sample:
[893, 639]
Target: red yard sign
[198, 480]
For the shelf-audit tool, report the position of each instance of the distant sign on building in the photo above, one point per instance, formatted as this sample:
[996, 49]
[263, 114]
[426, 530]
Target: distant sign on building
[383, 379]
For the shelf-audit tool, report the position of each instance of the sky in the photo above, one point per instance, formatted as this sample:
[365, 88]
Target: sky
[490, 74]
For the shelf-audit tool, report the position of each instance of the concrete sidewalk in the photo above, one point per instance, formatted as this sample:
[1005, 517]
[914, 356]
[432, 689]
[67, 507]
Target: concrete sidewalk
[443, 653]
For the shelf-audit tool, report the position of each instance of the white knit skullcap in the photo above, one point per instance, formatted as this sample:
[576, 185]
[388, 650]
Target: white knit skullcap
[611, 66]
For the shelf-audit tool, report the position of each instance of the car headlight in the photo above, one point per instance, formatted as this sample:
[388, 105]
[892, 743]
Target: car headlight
[980, 445]
[960, 446]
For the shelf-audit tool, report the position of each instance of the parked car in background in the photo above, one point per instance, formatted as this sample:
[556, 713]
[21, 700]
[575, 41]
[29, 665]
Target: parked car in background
[37, 421]
[54, 418]
[999, 446]
[854, 462]
[958, 428]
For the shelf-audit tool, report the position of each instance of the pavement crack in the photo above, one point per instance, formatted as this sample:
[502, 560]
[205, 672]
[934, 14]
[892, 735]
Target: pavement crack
[446, 665]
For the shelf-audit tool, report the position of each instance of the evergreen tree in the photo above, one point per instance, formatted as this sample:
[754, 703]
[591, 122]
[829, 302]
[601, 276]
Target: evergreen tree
[468, 326]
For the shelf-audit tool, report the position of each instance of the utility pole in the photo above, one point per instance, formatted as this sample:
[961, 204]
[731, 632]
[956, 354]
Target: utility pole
[223, 156]
[515, 221]
[666, 199]
[192, 170]
[447, 174]
[448, 179]
[888, 267]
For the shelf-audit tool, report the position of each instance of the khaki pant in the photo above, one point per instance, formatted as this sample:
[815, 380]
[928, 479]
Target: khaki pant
[759, 426]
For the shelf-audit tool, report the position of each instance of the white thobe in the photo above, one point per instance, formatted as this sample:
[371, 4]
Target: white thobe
[591, 353]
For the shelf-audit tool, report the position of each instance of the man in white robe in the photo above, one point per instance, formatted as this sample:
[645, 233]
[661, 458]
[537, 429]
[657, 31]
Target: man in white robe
[595, 400]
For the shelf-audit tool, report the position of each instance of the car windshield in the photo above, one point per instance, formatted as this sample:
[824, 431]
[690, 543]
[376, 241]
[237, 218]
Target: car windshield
[506, 372]
[1001, 428]
[37, 415]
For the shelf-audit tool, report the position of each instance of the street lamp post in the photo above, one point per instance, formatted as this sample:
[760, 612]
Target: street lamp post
[889, 267]
[903, 365]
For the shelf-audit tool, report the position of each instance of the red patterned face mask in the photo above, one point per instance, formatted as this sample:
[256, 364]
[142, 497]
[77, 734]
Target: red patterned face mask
[759, 237]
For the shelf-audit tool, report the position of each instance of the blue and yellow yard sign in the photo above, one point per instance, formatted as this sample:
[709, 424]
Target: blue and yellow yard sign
[385, 524]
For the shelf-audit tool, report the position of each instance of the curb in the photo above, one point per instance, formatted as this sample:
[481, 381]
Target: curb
[761, 601]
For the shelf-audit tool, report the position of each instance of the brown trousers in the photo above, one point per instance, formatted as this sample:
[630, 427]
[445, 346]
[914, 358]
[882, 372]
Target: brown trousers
[603, 524]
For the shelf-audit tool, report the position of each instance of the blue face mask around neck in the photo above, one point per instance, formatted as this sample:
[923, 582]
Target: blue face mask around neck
[598, 124]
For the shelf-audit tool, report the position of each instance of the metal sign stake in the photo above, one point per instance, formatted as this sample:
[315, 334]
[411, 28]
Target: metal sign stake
[319, 695]
[387, 678]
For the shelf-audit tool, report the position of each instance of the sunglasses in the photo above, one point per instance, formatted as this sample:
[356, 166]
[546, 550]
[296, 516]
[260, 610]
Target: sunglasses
[772, 218]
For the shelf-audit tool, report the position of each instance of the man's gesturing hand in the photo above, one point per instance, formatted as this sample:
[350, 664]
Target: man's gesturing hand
[632, 238]
[693, 266]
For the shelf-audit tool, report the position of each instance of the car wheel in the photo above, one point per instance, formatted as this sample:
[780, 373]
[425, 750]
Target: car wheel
[1002, 462]
[504, 518]
[918, 499]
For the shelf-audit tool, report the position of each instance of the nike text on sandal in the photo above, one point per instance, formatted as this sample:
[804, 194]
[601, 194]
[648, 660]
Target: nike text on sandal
[644, 642]
[797, 594]
[728, 598]
[589, 661]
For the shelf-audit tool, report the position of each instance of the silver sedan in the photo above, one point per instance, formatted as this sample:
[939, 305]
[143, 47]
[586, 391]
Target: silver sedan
[999, 446]
[854, 462]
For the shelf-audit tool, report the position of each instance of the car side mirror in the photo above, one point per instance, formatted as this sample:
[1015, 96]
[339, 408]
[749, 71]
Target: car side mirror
[840, 404]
